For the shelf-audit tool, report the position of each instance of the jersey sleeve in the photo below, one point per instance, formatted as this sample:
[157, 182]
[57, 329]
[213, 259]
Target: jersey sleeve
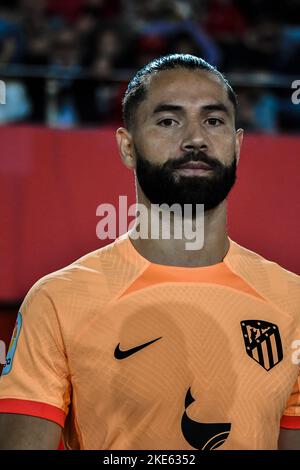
[291, 415]
[35, 380]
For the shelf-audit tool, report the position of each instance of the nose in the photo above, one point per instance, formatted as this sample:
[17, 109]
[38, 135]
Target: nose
[194, 140]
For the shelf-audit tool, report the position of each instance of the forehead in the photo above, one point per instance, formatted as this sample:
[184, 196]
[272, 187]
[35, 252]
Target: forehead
[193, 88]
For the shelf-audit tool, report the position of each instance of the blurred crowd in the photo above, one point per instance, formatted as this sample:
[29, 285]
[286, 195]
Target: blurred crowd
[67, 62]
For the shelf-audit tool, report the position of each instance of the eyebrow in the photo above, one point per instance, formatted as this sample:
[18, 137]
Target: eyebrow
[163, 107]
[160, 108]
[216, 107]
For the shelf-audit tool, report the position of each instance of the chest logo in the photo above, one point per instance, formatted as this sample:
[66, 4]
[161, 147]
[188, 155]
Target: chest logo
[263, 343]
[121, 354]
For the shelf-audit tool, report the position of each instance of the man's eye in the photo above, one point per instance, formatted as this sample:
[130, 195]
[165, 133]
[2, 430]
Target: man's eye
[167, 122]
[215, 122]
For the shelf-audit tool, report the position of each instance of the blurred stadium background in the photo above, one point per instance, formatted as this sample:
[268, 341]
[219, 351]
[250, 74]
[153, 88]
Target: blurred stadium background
[66, 64]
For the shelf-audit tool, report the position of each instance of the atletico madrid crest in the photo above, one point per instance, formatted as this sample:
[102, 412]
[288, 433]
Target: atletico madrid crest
[263, 342]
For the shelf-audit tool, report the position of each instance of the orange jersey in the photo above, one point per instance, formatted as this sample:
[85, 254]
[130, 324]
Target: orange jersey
[127, 354]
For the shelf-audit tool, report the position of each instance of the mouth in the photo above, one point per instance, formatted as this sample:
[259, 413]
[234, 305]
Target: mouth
[194, 168]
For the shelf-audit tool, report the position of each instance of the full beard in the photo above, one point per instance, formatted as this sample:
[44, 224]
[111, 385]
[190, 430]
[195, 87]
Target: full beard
[161, 184]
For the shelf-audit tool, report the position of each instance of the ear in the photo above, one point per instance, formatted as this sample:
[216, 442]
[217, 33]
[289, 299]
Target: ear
[238, 143]
[125, 144]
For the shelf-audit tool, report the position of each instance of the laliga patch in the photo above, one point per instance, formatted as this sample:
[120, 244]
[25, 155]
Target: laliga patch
[13, 345]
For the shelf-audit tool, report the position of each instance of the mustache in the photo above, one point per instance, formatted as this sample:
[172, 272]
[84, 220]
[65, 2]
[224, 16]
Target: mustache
[192, 156]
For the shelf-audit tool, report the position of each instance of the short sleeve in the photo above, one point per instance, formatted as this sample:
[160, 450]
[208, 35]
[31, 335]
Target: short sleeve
[291, 415]
[35, 380]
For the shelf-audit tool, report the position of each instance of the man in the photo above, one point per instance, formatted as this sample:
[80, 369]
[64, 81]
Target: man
[146, 344]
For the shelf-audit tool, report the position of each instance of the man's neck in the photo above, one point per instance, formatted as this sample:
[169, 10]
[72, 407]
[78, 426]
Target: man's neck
[173, 252]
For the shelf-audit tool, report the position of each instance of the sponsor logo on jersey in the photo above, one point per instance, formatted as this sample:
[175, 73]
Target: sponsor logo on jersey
[203, 436]
[122, 354]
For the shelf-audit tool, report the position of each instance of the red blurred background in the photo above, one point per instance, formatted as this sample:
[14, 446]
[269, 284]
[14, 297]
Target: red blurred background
[52, 181]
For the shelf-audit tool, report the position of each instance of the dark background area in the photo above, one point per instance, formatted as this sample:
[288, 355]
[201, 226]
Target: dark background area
[66, 63]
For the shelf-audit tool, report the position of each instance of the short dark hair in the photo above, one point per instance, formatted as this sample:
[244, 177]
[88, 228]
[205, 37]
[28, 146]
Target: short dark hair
[137, 87]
